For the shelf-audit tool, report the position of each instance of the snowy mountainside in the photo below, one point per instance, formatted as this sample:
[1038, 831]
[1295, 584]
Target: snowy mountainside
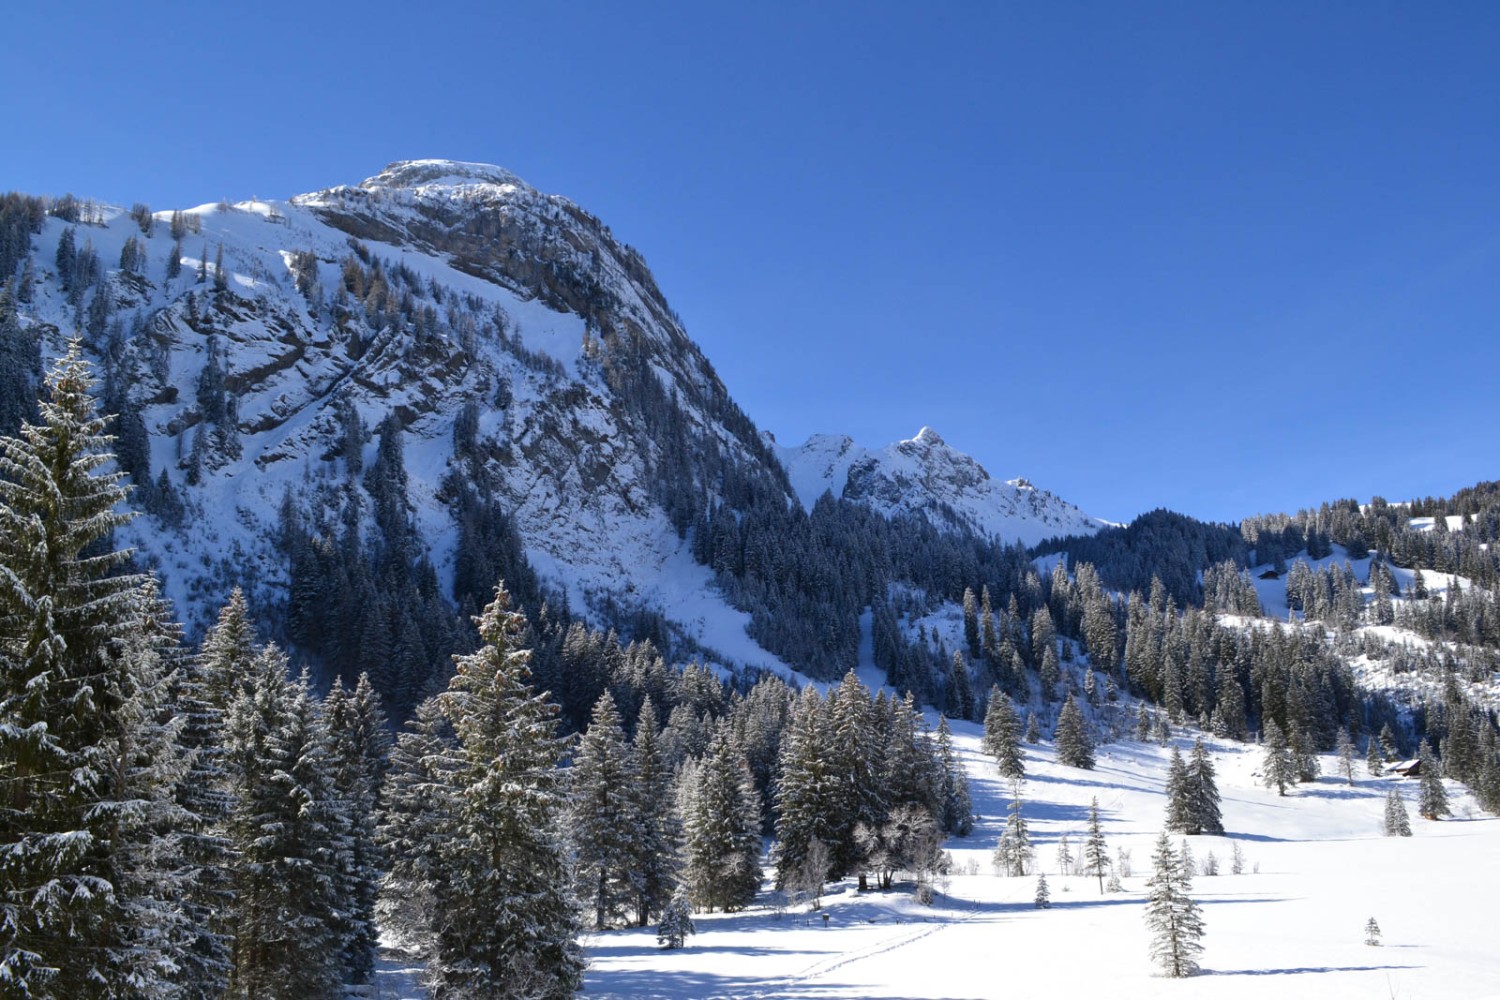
[432, 292]
[924, 475]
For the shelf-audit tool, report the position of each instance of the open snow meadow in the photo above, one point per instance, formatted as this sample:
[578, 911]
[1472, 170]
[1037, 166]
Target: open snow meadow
[1316, 869]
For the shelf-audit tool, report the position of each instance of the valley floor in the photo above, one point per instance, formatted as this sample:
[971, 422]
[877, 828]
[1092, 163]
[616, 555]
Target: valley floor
[1316, 869]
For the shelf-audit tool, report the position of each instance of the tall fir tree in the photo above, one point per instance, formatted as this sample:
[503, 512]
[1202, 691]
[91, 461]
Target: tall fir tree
[288, 834]
[1279, 768]
[599, 817]
[1203, 793]
[1179, 817]
[73, 695]
[1074, 746]
[419, 812]
[505, 926]
[957, 817]
[358, 749]
[1095, 852]
[653, 860]
[1432, 799]
[1397, 823]
[1173, 918]
[1002, 735]
[721, 862]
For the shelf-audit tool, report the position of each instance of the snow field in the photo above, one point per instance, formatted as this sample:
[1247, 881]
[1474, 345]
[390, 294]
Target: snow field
[1295, 926]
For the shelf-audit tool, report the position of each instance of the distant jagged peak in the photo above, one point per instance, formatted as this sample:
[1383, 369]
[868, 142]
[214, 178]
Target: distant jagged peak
[927, 436]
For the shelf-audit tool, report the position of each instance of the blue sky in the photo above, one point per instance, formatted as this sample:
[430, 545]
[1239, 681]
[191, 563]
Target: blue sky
[1223, 258]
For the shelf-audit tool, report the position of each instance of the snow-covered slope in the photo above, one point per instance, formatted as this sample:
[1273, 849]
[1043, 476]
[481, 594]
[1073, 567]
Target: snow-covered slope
[924, 475]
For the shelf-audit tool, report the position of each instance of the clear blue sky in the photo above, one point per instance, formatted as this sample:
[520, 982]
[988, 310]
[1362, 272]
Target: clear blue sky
[1224, 258]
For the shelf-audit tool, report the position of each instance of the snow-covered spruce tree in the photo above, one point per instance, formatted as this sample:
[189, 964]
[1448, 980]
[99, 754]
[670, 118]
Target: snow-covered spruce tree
[811, 796]
[419, 811]
[1074, 747]
[359, 745]
[79, 806]
[1173, 918]
[1002, 735]
[856, 754]
[505, 927]
[1374, 762]
[1397, 823]
[1043, 896]
[154, 874]
[1179, 799]
[1432, 799]
[1344, 747]
[288, 831]
[206, 684]
[958, 809]
[721, 864]
[1013, 854]
[599, 816]
[653, 857]
[1280, 768]
[1372, 933]
[1095, 853]
[1203, 793]
[676, 922]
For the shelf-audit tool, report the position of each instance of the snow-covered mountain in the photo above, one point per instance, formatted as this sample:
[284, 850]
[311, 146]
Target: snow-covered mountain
[924, 475]
[261, 351]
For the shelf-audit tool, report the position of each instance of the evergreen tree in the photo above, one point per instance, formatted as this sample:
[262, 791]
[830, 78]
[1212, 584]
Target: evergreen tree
[1013, 854]
[505, 926]
[1203, 794]
[1095, 853]
[358, 747]
[420, 812]
[288, 836]
[1372, 933]
[960, 690]
[1374, 762]
[957, 816]
[1002, 735]
[80, 808]
[812, 799]
[1043, 897]
[1279, 767]
[676, 922]
[1432, 801]
[1180, 817]
[654, 843]
[722, 830]
[1397, 824]
[1174, 919]
[1344, 747]
[148, 823]
[603, 775]
[1074, 747]
[209, 683]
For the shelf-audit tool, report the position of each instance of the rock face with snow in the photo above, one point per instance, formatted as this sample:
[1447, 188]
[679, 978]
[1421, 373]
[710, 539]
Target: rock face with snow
[923, 475]
[508, 338]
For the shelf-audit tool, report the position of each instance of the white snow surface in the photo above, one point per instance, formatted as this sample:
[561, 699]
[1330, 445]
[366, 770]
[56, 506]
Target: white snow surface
[1317, 868]
[924, 475]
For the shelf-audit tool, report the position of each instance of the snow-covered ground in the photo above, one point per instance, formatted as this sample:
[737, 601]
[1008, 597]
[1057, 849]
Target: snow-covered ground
[1316, 869]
